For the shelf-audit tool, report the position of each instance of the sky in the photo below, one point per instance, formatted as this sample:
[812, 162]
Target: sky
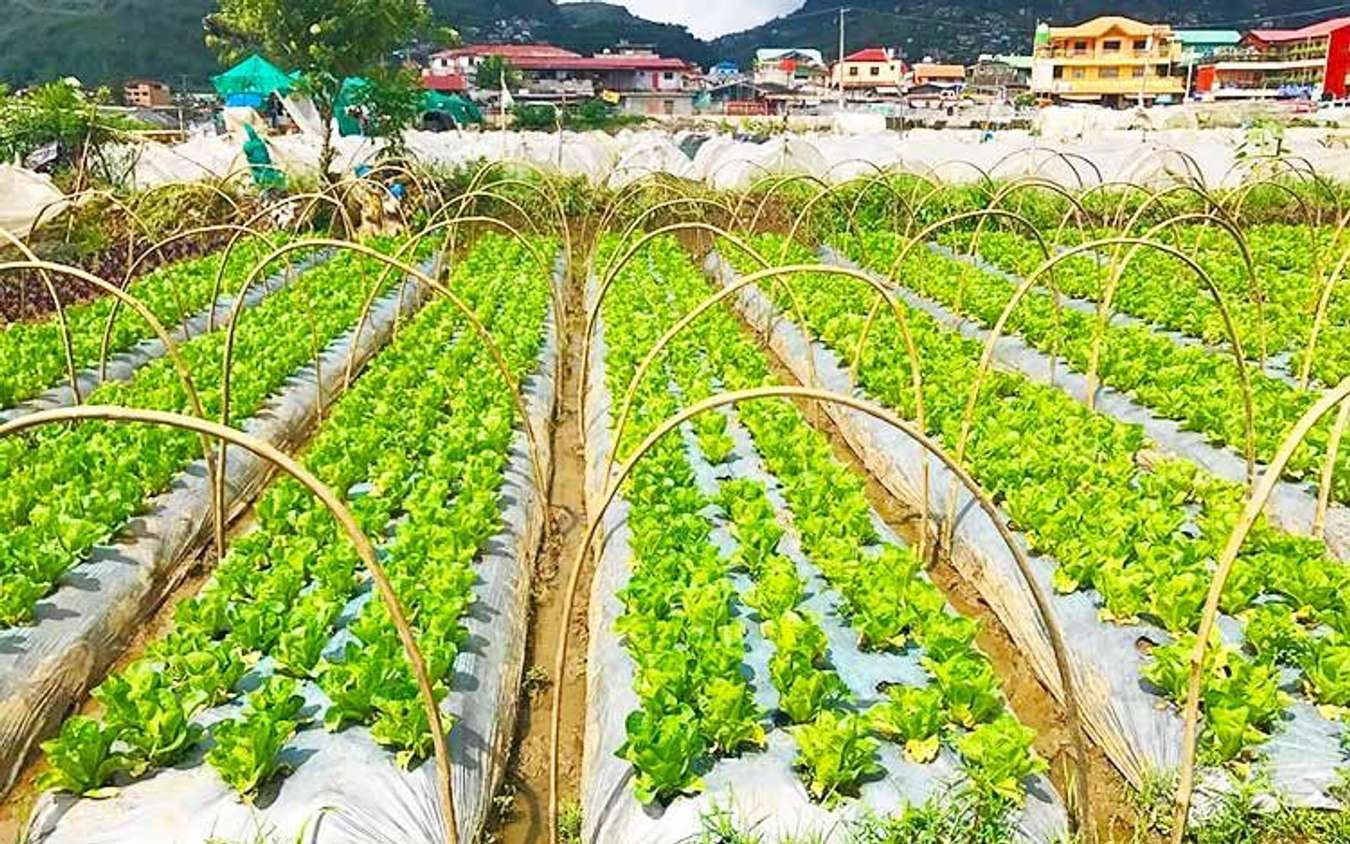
[709, 18]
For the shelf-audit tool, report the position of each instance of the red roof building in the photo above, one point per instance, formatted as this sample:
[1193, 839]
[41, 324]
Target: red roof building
[446, 83]
[872, 71]
[1310, 61]
[550, 71]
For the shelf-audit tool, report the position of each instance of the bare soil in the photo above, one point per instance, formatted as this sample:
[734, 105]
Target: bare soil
[522, 806]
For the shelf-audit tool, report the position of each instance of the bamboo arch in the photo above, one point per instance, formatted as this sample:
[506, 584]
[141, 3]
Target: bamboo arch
[364, 549]
[1255, 504]
[435, 285]
[62, 325]
[1082, 805]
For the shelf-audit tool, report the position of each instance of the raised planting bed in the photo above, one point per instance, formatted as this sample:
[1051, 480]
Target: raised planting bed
[99, 605]
[1130, 589]
[765, 654]
[1198, 387]
[33, 373]
[288, 701]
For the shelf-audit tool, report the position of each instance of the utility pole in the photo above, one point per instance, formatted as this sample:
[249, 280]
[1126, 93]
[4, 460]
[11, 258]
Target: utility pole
[842, 11]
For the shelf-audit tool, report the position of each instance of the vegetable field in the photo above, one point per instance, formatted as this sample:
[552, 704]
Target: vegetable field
[885, 510]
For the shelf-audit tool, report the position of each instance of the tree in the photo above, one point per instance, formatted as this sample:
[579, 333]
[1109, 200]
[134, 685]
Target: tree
[64, 119]
[493, 72]
[390, 102]
[326, 40]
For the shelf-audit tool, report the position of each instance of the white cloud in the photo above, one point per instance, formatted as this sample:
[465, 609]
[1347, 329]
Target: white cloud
[709, 18]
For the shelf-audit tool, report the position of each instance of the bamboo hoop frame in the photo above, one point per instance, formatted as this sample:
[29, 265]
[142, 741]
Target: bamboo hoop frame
[364, 548]
[1255, 504]
[1083, 804]
[62, 324]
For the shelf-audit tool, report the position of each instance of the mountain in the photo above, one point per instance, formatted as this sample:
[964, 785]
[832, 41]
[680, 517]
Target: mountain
[106, 41]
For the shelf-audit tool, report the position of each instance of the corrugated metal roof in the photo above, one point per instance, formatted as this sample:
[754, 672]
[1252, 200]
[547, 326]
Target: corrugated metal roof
[871, 54]
[1315, 30]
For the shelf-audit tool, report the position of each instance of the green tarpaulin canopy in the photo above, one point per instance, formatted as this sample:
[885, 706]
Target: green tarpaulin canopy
[254, 75]
[463, 111]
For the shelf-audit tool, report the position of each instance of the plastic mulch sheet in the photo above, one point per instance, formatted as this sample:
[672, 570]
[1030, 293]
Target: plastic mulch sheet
[346, 789]
[47, 667]
[760, 790]
[1121, 712]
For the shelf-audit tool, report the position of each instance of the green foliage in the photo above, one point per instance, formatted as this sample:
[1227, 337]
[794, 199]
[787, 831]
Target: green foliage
[391, 103]
[327, 41]
[836, 753]
[247, 752]
[494, 72]
[81, 758]
[65, 115]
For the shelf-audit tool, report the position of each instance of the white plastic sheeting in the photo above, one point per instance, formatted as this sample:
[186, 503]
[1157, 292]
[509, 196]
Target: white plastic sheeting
[345, 788]
[23, 196]
[1084, 149]
[759, 789]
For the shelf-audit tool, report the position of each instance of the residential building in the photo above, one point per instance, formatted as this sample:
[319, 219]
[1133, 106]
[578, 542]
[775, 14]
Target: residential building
[1310, 62]
[146, 93]
[1006, 76]
[723, 72]
[790, 67]
[1200, 46]
[874, 70]
[928, 73]
[1111, 60]
[635, 77]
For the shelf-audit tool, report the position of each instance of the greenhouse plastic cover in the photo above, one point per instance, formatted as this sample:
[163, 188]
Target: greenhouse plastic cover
[1091, 156]
[1121, 712]
[83, 626]
[23, 196]
[345, 788]
[777, 804]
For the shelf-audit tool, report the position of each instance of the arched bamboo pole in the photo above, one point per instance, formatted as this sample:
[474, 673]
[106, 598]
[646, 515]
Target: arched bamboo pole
[1255, 504]
[108, 324]
[1239, 357]
[1082, 804]
[1320, 317]
[435, 285]
[894, 276]
[62, 324]
[773, 186]
[612, 273]
[652, 210]
[364, 549]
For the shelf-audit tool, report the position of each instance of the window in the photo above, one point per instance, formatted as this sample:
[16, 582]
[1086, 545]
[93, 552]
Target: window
[1080, 46]
[668, 76]
[668, 106]
[1058, 71]
[852, 71]
[1078, 73]
[1140, 44]
[1137, 72]
[876, 71]
[1112, 46]
[1108, 73]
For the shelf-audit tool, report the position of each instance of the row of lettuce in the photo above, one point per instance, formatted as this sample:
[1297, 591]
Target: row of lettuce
[66, 489]
[1272, 306]
[684, 618]
[1055, 466]
[287, 633]
[1199, 387]
[32, 354]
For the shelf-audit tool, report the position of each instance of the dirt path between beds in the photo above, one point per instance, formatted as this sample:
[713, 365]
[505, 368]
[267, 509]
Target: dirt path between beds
[521, 808]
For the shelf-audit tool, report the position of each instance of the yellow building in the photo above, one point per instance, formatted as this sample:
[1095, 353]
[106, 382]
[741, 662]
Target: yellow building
[1110, 59]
